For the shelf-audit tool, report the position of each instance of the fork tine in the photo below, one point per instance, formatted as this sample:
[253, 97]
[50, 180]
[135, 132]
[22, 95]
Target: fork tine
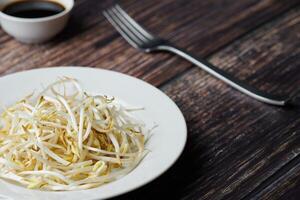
[130, 26]
[134, 23]
[120, 28]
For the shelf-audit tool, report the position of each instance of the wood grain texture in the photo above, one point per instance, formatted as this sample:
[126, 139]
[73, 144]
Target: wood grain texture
[237, 147]
[284, 185]
[200, 26]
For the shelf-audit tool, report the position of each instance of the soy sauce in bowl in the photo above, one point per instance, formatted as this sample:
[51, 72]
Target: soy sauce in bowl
[33, 9]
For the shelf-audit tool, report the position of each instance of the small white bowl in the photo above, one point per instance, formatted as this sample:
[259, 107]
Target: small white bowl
[35, 30]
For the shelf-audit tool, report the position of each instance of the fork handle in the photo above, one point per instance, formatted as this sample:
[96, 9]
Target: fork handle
[240, 85]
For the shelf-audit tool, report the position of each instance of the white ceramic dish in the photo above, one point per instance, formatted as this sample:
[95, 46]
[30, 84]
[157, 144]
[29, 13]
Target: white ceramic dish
[166, 144]
[35, 30]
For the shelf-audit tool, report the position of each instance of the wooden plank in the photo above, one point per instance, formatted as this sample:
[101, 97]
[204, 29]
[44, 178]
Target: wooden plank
[235, 144]
[201, 26]
[285, 184]
[289, 188]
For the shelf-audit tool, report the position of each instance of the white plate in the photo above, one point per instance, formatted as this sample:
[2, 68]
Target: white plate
[165, 145]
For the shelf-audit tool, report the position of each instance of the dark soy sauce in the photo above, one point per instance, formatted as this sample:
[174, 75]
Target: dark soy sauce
[33, 9]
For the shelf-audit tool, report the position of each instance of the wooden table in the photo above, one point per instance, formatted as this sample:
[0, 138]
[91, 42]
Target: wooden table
[237, 148]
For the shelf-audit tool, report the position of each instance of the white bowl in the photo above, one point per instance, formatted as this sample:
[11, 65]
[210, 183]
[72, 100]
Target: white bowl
[35, 30]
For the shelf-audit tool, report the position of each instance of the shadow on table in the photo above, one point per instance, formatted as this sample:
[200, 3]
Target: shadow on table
[85, 16]
[72, 29]
[174, 184]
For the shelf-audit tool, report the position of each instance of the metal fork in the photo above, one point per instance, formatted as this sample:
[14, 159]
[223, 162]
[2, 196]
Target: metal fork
[141, 39]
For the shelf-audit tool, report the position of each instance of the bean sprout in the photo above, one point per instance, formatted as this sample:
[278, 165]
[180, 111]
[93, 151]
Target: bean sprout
[62, 140]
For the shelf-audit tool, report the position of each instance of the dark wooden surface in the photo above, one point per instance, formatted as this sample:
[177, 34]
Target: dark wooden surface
[237, 148]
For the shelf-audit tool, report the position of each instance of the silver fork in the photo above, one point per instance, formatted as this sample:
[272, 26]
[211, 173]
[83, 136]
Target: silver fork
[141, 39]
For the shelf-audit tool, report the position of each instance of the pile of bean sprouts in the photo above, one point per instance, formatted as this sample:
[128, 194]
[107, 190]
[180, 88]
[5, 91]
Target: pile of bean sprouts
[62, 140]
